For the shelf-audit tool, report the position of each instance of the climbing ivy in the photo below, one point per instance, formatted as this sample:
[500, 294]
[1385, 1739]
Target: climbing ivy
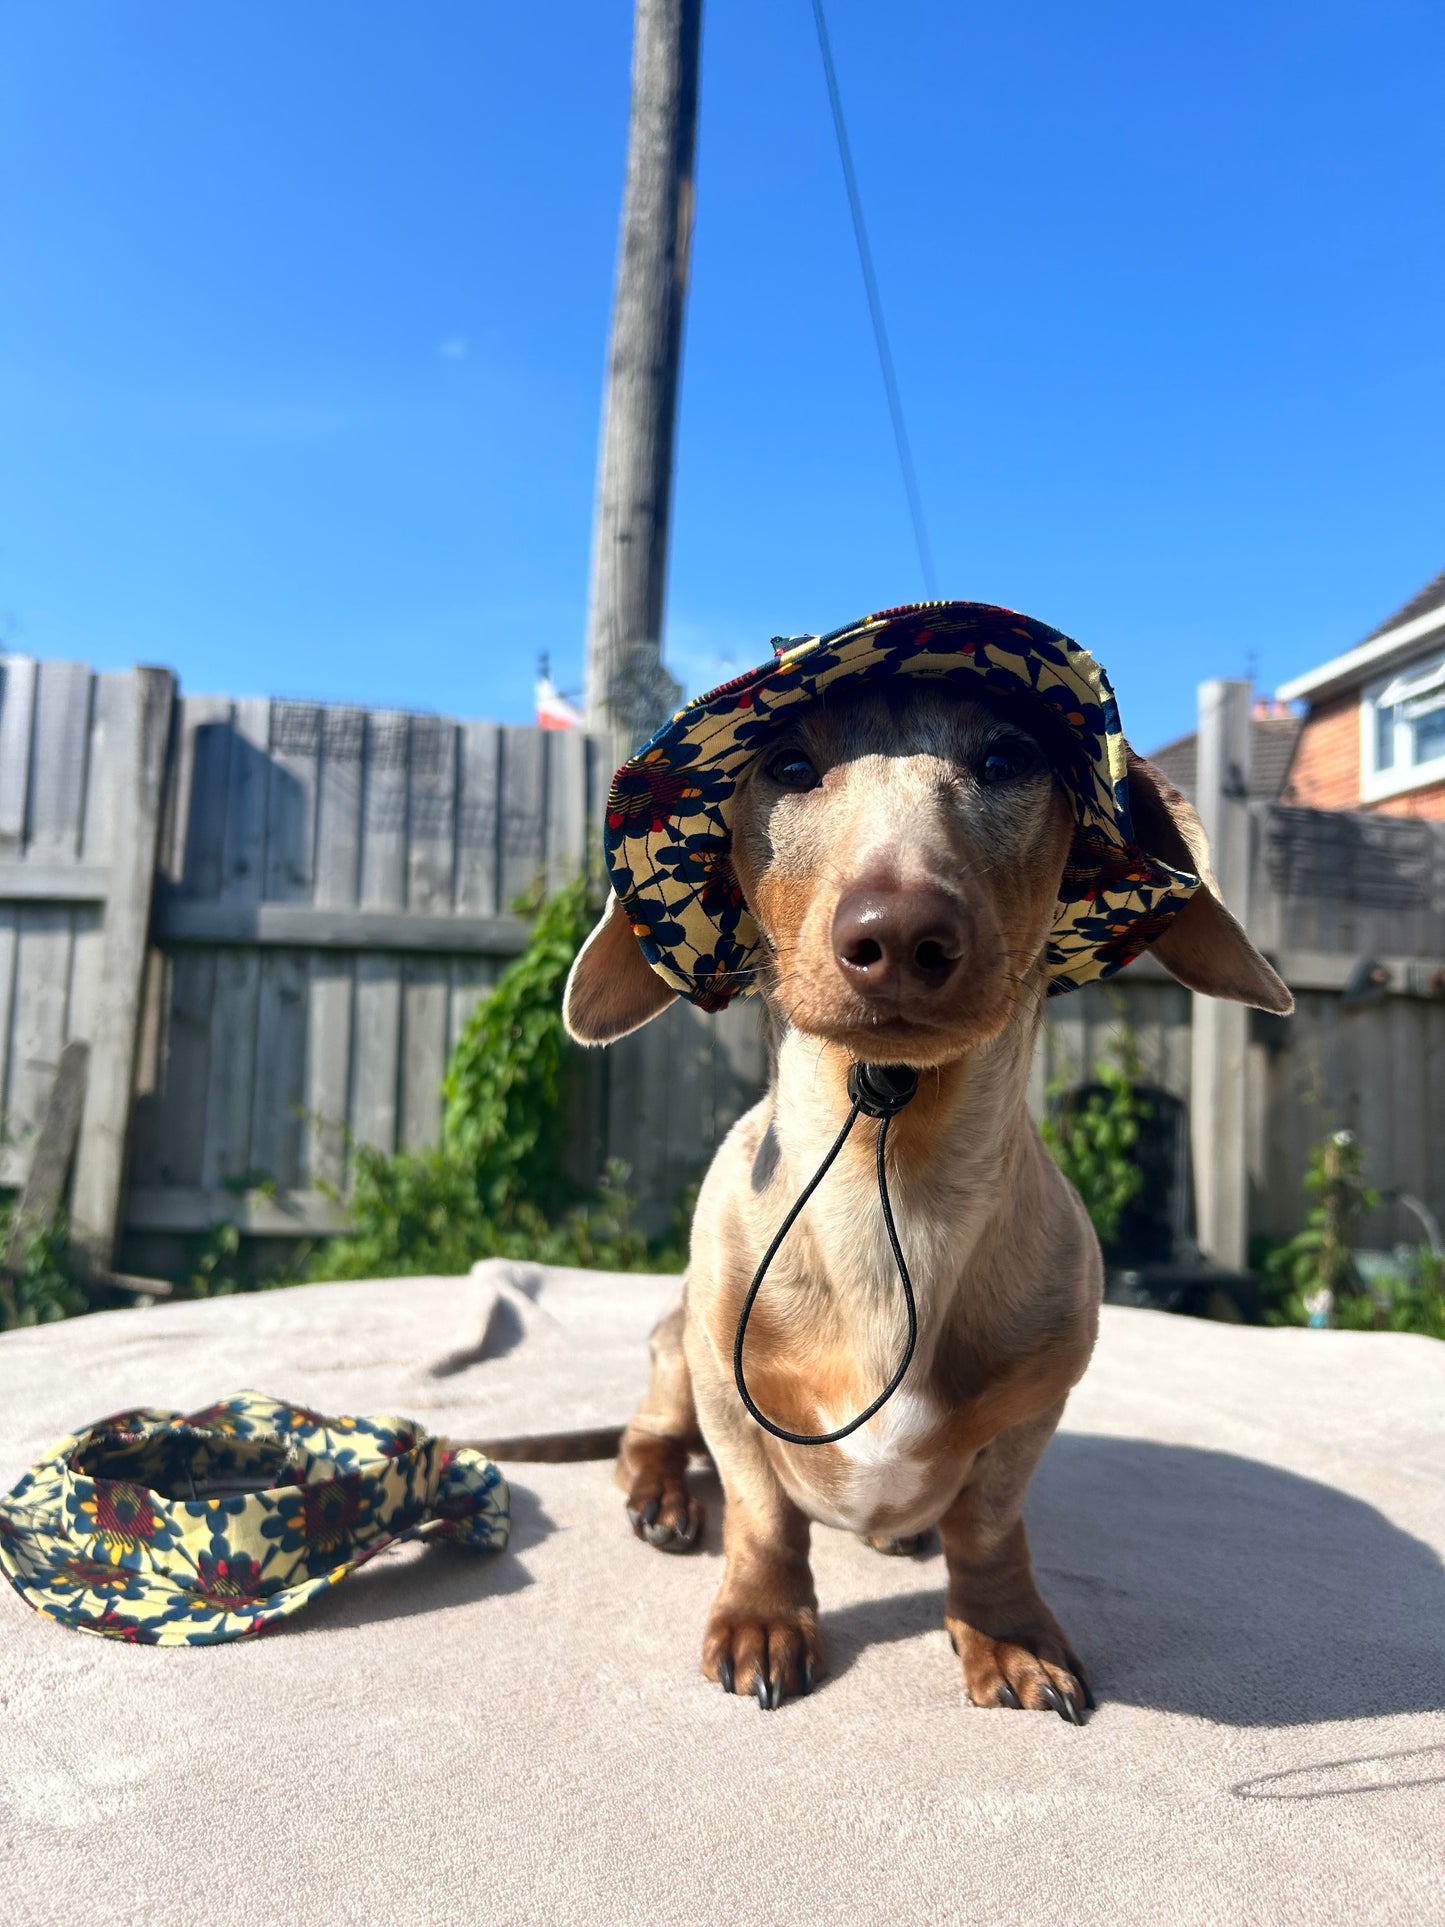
[505, 1112]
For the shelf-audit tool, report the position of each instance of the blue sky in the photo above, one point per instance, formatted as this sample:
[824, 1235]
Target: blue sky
[305, 312]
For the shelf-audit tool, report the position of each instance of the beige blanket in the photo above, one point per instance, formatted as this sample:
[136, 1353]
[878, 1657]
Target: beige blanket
[1241, 1530]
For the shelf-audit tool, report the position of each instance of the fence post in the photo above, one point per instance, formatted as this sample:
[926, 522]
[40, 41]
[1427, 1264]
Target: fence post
[140, 770]
[1219, 1043]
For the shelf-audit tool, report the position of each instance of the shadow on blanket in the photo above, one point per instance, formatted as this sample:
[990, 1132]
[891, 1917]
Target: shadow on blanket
[1204, 1583]
[417, 1579]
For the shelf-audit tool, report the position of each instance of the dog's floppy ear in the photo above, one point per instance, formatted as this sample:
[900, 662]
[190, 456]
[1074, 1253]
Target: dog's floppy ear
[611, 987]
[1204, 947]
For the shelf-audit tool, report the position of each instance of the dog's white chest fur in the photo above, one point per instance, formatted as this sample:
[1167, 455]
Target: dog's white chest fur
[885, 1475]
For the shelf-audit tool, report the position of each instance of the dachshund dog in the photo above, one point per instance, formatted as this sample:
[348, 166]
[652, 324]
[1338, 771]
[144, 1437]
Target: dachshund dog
[902, 855]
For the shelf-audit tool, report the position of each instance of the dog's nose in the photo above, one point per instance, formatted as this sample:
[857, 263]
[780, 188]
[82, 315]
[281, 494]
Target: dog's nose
[913, 938]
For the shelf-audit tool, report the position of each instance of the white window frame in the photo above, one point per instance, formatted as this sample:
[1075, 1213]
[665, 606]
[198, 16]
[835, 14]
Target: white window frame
[1376, 784]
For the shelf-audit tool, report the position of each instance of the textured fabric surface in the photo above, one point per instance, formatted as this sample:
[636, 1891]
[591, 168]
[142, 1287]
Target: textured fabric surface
[668, 832]
[1241, 1530]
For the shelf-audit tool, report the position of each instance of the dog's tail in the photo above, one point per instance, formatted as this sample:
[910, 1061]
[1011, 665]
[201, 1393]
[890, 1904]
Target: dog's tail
[550, 1448]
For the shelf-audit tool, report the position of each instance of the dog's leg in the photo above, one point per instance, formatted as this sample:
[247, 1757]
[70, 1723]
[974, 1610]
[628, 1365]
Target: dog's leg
[1014, 1651]
[762, 1633]
[652, 1464]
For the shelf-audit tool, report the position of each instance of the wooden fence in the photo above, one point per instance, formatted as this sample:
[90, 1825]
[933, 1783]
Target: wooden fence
[82, 769]
[327, 894]
[1328, 890]
[332, 899]
[271, 919]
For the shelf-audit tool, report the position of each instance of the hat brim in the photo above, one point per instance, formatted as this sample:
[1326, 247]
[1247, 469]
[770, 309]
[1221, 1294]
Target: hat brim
[119, 1597]
[668, 834]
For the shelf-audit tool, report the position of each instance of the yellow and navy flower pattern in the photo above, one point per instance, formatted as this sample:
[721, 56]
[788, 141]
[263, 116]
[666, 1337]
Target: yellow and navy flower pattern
[668, 833]
[170, 1529]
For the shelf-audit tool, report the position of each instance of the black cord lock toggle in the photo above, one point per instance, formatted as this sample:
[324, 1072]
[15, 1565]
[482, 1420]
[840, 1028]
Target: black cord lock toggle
[879, 1091]
[882, 1090]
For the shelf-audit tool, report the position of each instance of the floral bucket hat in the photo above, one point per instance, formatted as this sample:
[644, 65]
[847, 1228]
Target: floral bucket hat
[668, 835]
[167, 1529]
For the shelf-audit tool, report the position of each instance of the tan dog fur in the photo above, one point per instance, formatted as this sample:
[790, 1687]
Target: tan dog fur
[1004, 1259]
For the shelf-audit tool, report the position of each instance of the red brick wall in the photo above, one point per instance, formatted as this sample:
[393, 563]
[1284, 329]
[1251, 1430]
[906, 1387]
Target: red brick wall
[1429, 801]
[1325, 773]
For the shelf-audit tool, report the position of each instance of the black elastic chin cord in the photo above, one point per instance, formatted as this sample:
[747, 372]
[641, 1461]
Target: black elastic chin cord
[881, 1091]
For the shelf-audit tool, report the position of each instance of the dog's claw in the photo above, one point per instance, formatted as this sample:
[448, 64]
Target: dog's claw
[760, 1691]
[679, 1534]
[1006, 1696]
[1063, 1705]
[726, 1677]
[953, 1641]
[807, 1685]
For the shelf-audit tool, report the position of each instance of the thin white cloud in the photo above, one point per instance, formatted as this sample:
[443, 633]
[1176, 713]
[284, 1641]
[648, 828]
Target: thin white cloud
[454, 348]
[701, 654]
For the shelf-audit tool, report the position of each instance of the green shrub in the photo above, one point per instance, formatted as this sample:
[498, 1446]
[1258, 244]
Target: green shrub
[1315, 1277]
[1094, 1138]
[48, 1284]
[1405, 1294]
[416, 1212]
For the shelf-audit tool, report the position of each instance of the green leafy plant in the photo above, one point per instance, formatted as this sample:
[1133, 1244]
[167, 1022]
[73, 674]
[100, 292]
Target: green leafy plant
[1406, 1293]
[215, 1268]
[418, 1211]
[48, 1284]
[1316, 1277]
[504, 1096]
[1093, 1136]
[1311, 1273]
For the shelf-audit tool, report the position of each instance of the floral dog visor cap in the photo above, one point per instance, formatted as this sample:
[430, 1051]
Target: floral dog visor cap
[668, 835]
[183, 1530]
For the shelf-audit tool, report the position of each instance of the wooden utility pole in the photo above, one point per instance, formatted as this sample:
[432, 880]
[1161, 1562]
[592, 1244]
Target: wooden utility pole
[628, 691]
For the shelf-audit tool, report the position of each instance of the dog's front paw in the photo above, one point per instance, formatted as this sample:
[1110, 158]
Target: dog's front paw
[909, 1545]
[1029, 1670]
[659, 1505]
[772, 1656]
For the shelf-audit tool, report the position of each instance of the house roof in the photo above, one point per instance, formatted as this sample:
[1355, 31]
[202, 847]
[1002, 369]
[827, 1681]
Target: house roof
[1396, 638]
[1432, 596]
[1271, 752]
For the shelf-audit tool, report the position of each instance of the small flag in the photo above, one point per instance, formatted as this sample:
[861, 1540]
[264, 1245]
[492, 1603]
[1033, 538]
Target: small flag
[554, 711]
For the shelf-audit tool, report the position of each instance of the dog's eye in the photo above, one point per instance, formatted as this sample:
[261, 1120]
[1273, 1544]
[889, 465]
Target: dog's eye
[1005, 764]
[793, 771]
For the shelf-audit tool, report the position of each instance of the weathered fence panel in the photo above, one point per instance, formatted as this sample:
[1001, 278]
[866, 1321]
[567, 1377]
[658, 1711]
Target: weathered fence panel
[82, 762]
[1334, 888]
[334, 899]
